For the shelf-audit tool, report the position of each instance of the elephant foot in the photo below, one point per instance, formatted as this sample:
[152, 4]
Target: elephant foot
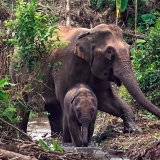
[67, 139]
[131, 127]
[80, 145]
[24, 122]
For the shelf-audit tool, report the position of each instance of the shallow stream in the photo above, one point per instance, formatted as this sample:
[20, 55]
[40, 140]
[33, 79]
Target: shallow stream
[38, 128]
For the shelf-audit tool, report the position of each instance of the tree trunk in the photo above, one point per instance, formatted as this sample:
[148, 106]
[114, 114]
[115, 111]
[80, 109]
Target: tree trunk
[68, 13]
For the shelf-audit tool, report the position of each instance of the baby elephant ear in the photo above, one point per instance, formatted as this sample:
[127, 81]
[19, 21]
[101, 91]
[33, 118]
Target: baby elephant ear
[73, 98]
[83, 47]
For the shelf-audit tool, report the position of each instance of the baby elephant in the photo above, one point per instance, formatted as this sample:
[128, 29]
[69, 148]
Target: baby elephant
[80, 111]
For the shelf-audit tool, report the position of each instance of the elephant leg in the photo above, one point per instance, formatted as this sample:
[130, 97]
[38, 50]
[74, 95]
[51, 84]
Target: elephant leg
[55, 118]
[66, 133]
[24, 122]
[109, 102]
[75, 131]
[24, 114]
[90, 132]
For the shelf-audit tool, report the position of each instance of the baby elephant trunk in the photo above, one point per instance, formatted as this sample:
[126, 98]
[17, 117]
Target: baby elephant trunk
[85, 135]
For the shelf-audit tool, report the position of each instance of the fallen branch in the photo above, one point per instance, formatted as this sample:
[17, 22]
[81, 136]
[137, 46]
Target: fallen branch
[133, 35]
[106, 12]
[16, 129]
[27, 145]
[12, 155]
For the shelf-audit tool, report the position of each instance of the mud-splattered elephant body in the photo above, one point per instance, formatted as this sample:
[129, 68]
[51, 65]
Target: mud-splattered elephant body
[95, 57]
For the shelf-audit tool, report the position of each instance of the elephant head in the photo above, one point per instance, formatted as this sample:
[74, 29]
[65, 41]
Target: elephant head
[85, 109]
[104, 48]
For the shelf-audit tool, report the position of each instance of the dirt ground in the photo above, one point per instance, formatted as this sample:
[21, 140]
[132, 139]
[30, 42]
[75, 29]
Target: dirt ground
[108, 136]
[136, 146]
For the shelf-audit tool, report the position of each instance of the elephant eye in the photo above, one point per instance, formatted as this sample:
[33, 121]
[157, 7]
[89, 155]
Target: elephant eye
[91, 112]
[78, 112]
[109, 51]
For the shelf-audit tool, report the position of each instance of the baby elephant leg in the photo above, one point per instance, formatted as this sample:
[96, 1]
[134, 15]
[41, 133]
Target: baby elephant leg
[66, 133]
[90, 132]
[75, 131]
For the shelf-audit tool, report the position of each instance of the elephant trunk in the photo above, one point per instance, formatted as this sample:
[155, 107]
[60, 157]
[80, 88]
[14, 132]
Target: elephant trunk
[85, 135]
[129, 81]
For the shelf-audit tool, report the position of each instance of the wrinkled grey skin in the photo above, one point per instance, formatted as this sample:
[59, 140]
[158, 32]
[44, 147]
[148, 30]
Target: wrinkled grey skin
[95, 57]
[80, 110]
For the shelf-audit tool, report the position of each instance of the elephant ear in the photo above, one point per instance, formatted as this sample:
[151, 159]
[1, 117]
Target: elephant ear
[83, 48]
[73, 98]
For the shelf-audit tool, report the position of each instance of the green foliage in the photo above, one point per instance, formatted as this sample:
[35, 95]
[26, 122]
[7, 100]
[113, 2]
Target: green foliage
[148, 115]
[44, 145]
[124, 94]
[9, 114]
[145, 21]
[151, 116]
[111, 3]
[3, 95]
[7, 109]
[32, 34]
[2, 33]
[33, 31]
[99, 4]
[148, 18]
[54, 146]
[96, 4]
[130, 22]
[147, 64]
[33, 115]
[123, 5]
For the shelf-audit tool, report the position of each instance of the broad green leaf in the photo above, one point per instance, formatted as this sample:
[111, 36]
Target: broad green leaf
[4, 96]
[56, 146]
[123, 5]
[44, 145]
[140, 41]
[148, 18]
[4, 82]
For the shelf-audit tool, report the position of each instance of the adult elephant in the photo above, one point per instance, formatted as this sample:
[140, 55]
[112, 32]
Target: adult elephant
[96, 57]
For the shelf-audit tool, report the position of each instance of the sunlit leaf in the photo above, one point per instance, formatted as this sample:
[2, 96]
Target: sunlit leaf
[56, 146]
[4, 82]
[44, 145]
[123, 5]
[4, 96]
[22, 106]
[140, 41]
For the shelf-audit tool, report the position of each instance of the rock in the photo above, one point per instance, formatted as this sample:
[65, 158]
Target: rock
[96, 152]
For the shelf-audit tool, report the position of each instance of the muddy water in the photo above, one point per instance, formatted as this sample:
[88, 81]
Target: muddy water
[38, 128]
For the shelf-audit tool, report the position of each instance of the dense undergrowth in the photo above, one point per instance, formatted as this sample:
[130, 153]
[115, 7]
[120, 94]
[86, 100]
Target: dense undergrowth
[147, 63]
[31, 30]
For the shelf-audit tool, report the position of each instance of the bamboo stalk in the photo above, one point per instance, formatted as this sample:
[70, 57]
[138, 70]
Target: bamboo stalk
[135, 19]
